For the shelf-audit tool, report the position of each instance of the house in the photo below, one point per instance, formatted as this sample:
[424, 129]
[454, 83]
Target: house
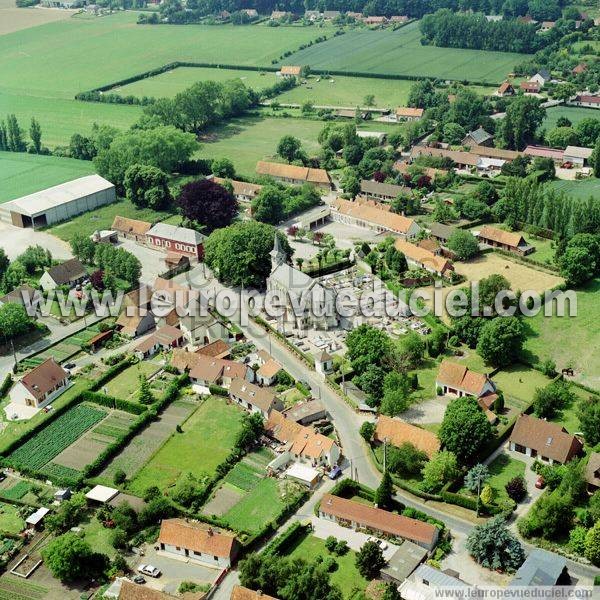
[462, 160]
[547, 441]
[354, 15]
[175, 263]
[302, 443]
[131, 229]
[101, 494]
[41, 385]
[250, 12]
[586, 100]
[135, 325]
[397, 432]
[138, 300]
[421, 258]
[147, 348]
[306, 412]
[289, 71]
[440, 232]
[556, 154]
[458, 380]
[530, 87]
[268, 370]
[324, 363]
[197, 542]
[505, 89]
[478, 137]
[577, 155]
[124, 589]
[541, 569]
[216, 349]
[35, 520]
[69, 273]
[490, 152]
[547, 26]
[579, 69]
[385, 192]
[294, 174]
[277, 15]
[206, 371]
[253, 397]
[242, 190]
[375, 20]
[330, 15]
[360, 214]
[408, 113]
[398, 18]
[312, 15]
[169, 337]
[403, 562]
[542, 77]
[24, 295]
[181, 240]
[427, 583]
[242, 593]
[505, 240]
[592, 472]
[358, 515]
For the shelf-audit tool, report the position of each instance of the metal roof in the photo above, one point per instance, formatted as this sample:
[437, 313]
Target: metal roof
[540, 568]
[64, 193]
[438, 578]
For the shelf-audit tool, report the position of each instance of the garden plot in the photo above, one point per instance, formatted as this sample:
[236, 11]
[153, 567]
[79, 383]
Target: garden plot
[126, 383]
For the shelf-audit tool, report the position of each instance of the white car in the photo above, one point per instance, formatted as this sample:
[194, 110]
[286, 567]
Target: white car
[149, 570]
[383, 545]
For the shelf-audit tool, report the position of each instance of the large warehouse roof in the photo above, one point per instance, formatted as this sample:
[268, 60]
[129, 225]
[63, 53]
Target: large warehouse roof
[59, 194]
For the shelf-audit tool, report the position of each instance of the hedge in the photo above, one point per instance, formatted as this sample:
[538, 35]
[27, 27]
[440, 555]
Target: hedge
[281, 544]
[6, 385]
[112, 373]
[112, 402]
[217, 390]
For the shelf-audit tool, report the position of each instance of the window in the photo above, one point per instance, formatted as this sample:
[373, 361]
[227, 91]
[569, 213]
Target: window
[216, 558]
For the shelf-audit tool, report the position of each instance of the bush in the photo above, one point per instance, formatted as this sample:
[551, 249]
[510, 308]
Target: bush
[516, 488]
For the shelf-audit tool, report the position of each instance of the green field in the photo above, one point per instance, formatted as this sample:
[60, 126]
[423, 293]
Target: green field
[346, 576]
[126, 383]
[582, 188]
[15, 588]
[22, 174]
[502, 469]
[207, 439]
[570, 341]
[518, 383]
[10, 521]
[575, 114]
[400, 53]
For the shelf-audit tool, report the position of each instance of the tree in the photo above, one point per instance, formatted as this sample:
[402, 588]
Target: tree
[465, 429]
[441, 469]
[370, 381]
[208, 203]
[396, 394]
[454, 133]
[476, 477]
[35, 133]
[577, 540]
[147, 186]
[385, 492]
[119, 477]
[69, 514]
[406, 459]
[367, 430]
[592, 544]
[370, 560]
[464, 244]
[350, 182]
[223, 167]
[550, 516]
[589, 420]
[367, 346]
[268, 205]
[576, 266]
[524, 116]
[516, 488]
[240, 254]
[145, 393]
[494, 546]
[501, 341]
[369, 100]
[70, 558]
[83, 247]
[588, 130]
[14, 320]
[14, 276]
[252, 428]
[391, 592]
[35, 258]
[442, 213]
[561, 137]
[289, 147]
[548, 401]
[14, 134]
[411, 350]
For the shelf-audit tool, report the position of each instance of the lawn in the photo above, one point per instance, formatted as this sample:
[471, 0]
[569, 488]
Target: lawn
[502, 469]
[10, 521]
[103, 217]
[518, 383]
[126, 383]
[581, 189]
[22, 174]
[346, 576]
[575, 114]
[98, 536]
[570, 341]
[400, 53]
[207, 439]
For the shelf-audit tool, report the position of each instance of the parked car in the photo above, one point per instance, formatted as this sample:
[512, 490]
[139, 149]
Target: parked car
[149, 570]
[139, 579]
[335, 472]
[540, 484]
[70, 365]
[383, 545]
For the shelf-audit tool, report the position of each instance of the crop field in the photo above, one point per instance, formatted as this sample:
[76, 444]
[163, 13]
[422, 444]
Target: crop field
[55, 437]
[14, 19]
[22, 174]
[400, 53]
[575, 114]
[581, 189]
[207, 439]
[570, 341]
[14, 588]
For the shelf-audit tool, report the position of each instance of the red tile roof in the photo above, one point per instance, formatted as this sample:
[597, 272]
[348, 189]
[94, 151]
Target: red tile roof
[460, 377]
[44, 378]
[197, 537]
[398, 432]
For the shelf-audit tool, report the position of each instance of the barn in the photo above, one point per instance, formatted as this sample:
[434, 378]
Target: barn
[58, 203]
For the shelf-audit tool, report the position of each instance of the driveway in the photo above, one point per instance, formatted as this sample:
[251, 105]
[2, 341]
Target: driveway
[174, 571]
[152, 260]
[427, 412]
[15, 240]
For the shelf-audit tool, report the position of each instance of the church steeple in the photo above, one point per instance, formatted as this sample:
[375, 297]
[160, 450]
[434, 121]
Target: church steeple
[277, 254]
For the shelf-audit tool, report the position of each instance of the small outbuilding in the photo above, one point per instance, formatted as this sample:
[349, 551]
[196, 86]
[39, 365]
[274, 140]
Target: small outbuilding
[101, 494]
[35, 520]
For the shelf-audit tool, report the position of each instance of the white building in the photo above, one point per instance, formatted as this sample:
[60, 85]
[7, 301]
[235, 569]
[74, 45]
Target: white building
[577, 155]
[41, 385]
[59, 203]
[254, 398]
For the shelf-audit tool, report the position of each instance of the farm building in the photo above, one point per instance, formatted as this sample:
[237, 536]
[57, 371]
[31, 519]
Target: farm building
[505, 89]
[505, 240]
[197, 542]
[59, 203]
[358, 515]
[427, 583]
[407, 113]
[294, 174]
[556, 154]
[131, 229]
[424, 259]
[592, 472]
[478, 137]
[289, 71]
[35, 520]
[398, 432]
[69, 273]
[242, 190]
[577, 155]
[586, 100]
[41, 385]
[181, 240]
[385, 192]
[403, 562]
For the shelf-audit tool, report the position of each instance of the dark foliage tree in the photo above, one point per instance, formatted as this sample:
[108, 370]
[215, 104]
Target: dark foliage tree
[208, 203]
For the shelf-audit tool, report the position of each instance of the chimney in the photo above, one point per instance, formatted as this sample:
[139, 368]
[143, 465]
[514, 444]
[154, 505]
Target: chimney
[210, 531]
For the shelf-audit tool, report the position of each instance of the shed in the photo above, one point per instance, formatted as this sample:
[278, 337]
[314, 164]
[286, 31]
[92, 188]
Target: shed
[403, 562]
[101, 494]
[35, 520]
[302, 474]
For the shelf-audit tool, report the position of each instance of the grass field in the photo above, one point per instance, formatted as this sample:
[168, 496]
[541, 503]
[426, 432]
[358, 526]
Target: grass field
[22, 174]
[126, 383]
[10, 521]
[15, 588]
[346, 576]
[15, 19]
[207, 439]
[103, 217]
[518, 383]
[575, 114]
[502, 469]
[400, 53]
[582, 189]
[570, 341]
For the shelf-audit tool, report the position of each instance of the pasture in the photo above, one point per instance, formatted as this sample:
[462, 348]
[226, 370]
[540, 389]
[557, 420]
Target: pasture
[22, 174]
[10, 521]
[207, 439]
[400, 53]
[15, 19]
[575, 114]
[581, 189]
[570, 341]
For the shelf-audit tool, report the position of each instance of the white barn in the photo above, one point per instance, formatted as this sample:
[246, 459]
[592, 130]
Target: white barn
[58, 203]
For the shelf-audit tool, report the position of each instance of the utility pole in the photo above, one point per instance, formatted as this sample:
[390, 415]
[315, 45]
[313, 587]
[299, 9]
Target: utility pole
[12, 345]
[384, 454]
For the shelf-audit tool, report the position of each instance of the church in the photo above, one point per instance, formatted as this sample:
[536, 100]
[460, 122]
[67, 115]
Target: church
[305, 303]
